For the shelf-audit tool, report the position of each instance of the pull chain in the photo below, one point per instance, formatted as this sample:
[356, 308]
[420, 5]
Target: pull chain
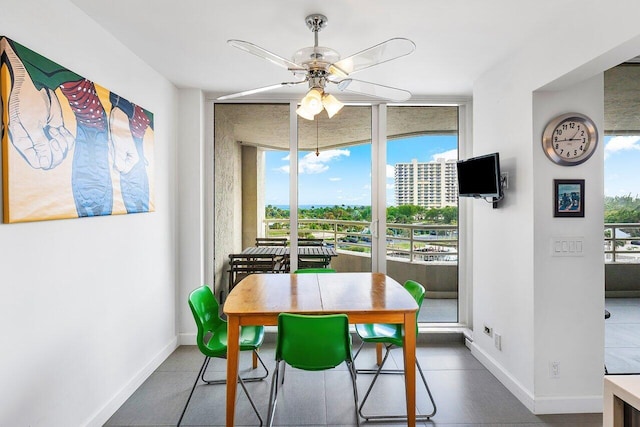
[317, 151]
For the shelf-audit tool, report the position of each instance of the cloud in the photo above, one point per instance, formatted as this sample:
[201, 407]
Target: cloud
[447, 155]
[621, 143]
[336, 179]
[312, 164]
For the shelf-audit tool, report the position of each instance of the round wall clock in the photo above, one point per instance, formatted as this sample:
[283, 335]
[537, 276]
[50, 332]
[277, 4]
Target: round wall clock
[570, 139]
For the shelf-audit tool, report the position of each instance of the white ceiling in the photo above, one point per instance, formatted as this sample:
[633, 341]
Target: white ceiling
[457, 40]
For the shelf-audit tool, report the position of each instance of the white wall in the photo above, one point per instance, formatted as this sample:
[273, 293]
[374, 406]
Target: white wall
[191, 260]
[569, 291]
[542, 313]
[87, 306]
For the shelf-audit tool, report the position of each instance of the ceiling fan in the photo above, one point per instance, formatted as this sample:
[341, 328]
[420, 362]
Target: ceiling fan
[321, 66]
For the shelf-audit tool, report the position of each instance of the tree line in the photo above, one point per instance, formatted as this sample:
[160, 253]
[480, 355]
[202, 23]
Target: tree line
[405, 214]
[617, 209]
[622, 209]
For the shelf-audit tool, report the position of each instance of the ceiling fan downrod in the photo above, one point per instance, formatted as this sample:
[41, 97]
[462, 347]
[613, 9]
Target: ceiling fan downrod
[315, 23]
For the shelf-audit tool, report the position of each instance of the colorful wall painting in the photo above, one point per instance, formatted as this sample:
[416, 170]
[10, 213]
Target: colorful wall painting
[70, 148]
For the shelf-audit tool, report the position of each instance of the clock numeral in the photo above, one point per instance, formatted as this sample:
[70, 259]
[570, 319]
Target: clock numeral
[582, 148]
[559, 131]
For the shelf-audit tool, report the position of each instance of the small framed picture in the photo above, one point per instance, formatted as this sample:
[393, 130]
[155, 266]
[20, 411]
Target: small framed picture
[569, 198]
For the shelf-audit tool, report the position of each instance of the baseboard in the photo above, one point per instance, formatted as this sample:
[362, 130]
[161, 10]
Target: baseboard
[537, 405]
[187, 339]
[513, 385]
[103, 415]
[569, 405]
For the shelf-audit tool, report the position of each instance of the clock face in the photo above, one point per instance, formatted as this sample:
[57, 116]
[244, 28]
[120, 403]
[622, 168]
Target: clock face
[570, 139]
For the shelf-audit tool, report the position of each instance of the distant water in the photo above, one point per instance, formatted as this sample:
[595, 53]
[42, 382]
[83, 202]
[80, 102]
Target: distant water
[286, 207]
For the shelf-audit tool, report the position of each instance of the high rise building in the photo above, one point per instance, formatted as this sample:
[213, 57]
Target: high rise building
[427, 184]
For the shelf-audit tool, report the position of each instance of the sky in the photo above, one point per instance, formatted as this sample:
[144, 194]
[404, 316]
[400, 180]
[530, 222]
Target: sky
[621, 164]
[343, 176]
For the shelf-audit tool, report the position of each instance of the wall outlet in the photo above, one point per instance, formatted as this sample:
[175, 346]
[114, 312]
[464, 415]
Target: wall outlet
[497, 341]
[554, 369]
[488, 330]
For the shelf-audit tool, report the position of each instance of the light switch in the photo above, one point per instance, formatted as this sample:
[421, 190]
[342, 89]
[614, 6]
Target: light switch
[567, 246]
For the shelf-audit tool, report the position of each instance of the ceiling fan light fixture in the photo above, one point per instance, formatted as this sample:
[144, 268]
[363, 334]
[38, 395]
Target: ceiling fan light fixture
[304, 113]
[312, 101]
[331, 104]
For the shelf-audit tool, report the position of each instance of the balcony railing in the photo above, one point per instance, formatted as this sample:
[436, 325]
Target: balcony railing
[622, 243]
[432, 243]
[410, 242]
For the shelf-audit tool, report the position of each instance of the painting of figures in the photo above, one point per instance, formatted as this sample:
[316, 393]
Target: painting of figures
[70, 147]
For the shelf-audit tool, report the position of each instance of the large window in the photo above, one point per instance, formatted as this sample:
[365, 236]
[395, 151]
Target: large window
[385, 206]
[422, 205]
[622, 218]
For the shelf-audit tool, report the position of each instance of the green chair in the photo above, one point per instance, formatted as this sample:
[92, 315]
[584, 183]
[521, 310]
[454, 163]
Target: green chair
[314, 270]
[312, 343]
[212, 340]
[391, 336]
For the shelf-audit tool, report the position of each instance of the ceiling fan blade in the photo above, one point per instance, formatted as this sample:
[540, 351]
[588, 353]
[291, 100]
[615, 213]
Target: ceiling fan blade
[265, 54]
[375, 90]
[378, 54]
[258, 90]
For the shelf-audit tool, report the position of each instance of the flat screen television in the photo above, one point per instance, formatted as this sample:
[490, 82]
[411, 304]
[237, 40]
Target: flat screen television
[480, 177]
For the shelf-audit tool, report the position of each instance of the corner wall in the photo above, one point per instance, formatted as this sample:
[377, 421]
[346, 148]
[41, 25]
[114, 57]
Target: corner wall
[542, 312]
[569, 291]
[191, 206]
[227, 197]
[88, 306]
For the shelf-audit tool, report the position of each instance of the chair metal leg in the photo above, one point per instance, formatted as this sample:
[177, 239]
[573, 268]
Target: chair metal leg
[273, 395]
[253, 405]
[394, 371]
[352, 372]
[284, 369]
[202, 368]
[247, 380]
[200, 376]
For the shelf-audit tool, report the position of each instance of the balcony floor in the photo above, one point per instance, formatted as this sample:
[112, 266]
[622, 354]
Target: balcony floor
[622, 336]
[622, 329]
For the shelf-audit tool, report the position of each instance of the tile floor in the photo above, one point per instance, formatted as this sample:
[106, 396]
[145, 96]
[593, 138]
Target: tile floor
[465, 392]
[622, 336]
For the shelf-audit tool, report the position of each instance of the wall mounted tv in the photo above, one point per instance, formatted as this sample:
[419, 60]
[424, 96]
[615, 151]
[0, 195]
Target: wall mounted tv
[480, 177]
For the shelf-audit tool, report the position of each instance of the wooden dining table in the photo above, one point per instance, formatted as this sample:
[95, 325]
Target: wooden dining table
[365, 297]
